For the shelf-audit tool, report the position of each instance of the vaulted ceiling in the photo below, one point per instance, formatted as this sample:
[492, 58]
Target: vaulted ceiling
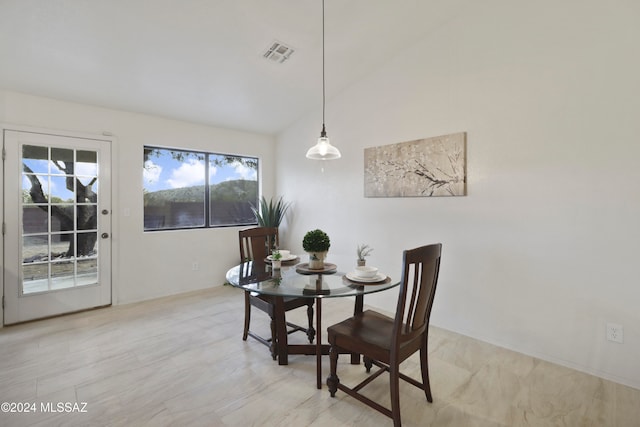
[202, 60]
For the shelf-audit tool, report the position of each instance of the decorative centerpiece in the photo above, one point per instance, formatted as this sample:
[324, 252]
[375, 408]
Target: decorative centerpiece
[316, 243]
[276, 259]
[363, 251]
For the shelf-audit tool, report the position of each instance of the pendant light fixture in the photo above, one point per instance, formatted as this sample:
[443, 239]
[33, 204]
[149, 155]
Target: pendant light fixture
[323, 150]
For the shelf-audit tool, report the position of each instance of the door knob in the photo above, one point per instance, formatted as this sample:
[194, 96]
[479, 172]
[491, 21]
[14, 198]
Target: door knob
[105, 235]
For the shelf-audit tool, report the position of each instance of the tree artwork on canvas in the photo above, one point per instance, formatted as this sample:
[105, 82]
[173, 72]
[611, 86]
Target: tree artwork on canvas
[422, 168]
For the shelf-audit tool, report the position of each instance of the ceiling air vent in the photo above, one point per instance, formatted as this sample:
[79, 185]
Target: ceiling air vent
[278, 52]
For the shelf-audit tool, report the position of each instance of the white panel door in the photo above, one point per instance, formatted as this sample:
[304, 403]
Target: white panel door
[57, 225]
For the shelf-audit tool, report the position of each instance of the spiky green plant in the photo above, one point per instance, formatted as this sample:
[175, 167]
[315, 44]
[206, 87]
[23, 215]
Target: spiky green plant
[271, 213]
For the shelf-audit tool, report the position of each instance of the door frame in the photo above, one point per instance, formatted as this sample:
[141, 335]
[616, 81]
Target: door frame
[104, 136]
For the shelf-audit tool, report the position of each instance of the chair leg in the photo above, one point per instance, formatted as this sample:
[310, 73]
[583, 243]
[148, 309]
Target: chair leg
[368, 363]
[311, 333]
[274, 340]
[247, 316]
[394, 385]
[424, 364]
[332, 379]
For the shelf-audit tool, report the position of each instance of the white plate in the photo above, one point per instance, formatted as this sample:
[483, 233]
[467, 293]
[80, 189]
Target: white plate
[377, 278]
[283, 259]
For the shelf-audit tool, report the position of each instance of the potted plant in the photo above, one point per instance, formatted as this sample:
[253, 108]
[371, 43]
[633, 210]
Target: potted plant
[316, 243]
[363, 251]
[276, 259]
[270, 213]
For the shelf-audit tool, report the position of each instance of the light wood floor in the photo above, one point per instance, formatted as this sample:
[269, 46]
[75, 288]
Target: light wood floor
[181, 361]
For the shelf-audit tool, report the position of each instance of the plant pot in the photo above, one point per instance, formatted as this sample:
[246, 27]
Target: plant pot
[316, 260]
[276, 265]
[362, 262]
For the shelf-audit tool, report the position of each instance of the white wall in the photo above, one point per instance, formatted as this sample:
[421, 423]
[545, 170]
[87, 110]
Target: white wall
[544, 249]
[149, 265]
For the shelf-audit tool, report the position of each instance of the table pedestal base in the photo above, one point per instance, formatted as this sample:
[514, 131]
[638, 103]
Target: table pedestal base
[283, 348]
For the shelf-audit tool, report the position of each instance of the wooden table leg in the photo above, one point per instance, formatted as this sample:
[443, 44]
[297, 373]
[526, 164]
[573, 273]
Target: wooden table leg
[319, 342]
[359, 304]
[358, 307]
[281, 332]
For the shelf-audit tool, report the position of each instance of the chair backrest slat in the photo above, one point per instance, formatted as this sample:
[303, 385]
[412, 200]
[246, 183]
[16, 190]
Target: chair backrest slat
[256, 243]
[421, 267]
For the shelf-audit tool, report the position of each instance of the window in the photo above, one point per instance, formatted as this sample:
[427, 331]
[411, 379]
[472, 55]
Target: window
[191, 189]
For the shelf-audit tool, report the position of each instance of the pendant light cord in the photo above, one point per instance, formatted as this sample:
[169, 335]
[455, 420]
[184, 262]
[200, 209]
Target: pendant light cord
[324, 133]
[323, 150]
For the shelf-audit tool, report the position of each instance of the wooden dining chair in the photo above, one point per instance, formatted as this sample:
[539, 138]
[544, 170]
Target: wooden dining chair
[256, 244]
[387, 342]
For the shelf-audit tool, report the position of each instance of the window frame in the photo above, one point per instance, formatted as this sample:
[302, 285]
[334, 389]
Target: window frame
[207, 188]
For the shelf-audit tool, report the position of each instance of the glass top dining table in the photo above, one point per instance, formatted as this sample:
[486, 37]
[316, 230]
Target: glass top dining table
[288, 281]
[295, 281]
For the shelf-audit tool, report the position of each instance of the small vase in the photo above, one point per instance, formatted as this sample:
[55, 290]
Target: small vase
[362, 262]
[316, 260]
[276, 265]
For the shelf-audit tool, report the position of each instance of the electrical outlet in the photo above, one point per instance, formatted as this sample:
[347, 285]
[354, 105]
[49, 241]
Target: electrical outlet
[615, 333]
[195, 266]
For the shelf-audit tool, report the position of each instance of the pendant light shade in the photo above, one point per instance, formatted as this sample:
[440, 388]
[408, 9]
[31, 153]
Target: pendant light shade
[323, 150]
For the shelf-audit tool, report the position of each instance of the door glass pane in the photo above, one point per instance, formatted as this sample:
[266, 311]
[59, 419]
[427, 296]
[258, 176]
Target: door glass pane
[87, 191]
[87, 177]
[35, 278]
[87, 244]
[87, 163]
[35, 159]
[62, 275]
[35, 219]
[62, 246]
[87, 217]
[62, 160]
[35, 263]
[59, 217]
[87, 272]
[35, 188]
[61, 191]
[35, 248]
